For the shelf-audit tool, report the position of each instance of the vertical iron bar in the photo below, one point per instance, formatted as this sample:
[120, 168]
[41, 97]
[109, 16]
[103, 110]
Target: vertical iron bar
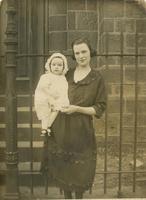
[46, 38]
[121, 115]
[30, 92]
[29, 51]
[12, 189]
[67, 24]
[106, 118]
[136, 111]
[46, 25]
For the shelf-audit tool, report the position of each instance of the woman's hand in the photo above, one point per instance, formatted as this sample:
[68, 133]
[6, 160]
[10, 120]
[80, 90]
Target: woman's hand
[84, 110]
[69, 109]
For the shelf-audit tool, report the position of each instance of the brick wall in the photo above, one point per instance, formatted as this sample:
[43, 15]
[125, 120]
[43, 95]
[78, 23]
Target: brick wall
[130, 18]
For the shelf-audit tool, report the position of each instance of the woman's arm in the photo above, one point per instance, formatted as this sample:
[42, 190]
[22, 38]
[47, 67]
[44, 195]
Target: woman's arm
[84, 110]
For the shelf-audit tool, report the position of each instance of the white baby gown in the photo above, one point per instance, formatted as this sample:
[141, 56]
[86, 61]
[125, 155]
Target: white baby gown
[52, 90]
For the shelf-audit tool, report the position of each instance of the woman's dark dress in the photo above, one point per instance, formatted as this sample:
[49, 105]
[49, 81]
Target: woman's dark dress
[70, 153]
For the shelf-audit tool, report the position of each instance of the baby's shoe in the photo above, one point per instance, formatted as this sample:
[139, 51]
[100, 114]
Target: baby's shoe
[49, 131]
[43, 132]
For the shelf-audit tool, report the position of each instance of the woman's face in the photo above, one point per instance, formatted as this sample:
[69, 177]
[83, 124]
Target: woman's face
[57, 66]
[82, 54]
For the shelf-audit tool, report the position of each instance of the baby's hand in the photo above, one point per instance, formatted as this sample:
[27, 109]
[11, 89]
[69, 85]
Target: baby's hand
[63, 108]
[69, 109]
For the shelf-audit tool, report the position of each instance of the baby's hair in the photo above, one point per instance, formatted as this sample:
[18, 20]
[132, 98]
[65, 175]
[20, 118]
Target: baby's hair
[81, 41]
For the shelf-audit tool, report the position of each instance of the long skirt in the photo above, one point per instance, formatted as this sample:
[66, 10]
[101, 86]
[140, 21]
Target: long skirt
[68, 170]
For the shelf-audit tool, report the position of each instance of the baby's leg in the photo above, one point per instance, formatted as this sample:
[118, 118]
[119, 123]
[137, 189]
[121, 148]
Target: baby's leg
[52, 117]
[44, 123]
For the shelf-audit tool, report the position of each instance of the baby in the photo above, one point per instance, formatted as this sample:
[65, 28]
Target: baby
[51, 93]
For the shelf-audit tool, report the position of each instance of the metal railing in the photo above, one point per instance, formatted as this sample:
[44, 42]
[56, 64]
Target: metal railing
[12, 55]
[105, 171]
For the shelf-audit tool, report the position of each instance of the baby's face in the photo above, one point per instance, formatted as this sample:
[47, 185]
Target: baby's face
[57, 66]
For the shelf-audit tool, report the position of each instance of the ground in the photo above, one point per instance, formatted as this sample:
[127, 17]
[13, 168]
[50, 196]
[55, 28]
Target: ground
[112, 180]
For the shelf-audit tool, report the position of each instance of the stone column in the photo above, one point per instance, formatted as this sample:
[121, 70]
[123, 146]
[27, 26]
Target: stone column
[12, 191]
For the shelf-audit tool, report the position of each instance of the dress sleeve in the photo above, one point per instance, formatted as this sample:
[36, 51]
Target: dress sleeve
[101, 98]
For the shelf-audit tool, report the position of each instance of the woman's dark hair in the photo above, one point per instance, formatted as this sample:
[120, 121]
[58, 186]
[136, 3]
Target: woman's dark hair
[85, 41]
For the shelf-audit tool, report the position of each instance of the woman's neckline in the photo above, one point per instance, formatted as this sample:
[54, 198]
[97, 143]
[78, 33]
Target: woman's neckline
[81, 79]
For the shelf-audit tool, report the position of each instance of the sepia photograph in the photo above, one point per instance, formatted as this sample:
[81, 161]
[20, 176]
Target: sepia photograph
[72, 99]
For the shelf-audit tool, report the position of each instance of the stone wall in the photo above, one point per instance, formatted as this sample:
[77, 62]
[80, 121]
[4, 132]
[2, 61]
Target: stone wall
[72, 19]
[122, 20]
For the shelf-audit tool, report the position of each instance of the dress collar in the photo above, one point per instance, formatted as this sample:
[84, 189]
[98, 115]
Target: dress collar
[91, 76]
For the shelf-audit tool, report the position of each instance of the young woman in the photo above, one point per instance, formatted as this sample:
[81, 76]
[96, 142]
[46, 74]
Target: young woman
[71, 156]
